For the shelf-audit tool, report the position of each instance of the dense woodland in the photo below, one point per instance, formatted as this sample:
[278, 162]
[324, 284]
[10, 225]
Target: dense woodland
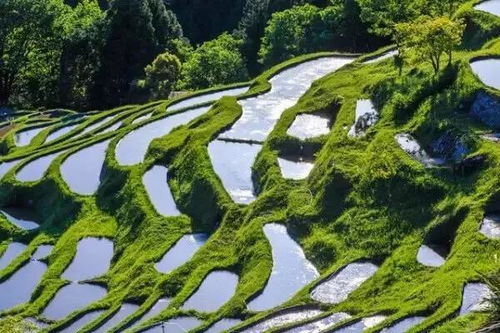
[91, 54]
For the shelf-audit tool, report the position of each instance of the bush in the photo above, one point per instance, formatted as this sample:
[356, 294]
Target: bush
[162, 74]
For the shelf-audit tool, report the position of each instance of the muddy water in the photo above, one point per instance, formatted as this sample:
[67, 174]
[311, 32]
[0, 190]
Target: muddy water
[338, 287]
[232, 162]
[22, 218]
[488, 71]
[210, 97]
[34, 170]
[293, 167]
[82, 170]
[92, 259]
[217, 288]
[261, 113]
[155, 182]
[133, 147]
[181, 252]
[307, 126]
[291, 270]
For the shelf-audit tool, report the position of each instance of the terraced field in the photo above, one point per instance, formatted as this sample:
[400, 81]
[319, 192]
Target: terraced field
[327, 195]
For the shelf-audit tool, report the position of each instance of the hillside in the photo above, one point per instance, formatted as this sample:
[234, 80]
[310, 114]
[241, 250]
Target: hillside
[331, 193]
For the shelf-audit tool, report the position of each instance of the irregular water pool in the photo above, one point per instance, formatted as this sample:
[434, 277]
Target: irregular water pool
[181, 252]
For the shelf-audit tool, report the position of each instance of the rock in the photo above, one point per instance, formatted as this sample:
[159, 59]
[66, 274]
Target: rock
[469, 165]
[487, 109]
[450, 146]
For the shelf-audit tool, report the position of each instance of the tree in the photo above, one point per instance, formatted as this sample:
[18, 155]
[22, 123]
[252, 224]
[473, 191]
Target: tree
[136, 32]
[430, 38]
[215, 62]
[29, 49]
[162, 74]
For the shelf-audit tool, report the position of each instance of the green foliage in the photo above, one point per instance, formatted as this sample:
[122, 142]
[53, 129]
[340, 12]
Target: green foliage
[162, 75]
[430, 38]
[15, 325]
[214, 63]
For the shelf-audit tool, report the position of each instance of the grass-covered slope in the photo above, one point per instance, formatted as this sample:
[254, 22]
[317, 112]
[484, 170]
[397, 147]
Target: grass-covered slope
[366, 199]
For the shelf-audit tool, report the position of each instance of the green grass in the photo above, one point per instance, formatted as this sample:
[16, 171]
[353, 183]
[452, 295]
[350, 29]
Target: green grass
[365, 199]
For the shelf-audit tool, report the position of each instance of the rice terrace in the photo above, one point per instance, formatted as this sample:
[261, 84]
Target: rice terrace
[250, 166]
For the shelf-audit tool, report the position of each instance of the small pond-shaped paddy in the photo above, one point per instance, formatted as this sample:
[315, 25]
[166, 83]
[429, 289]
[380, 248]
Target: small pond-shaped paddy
[217, 288]
[261, 113]
[282, 319]
[92, 259]
[96, 125]
[6, 166]
[181, 252]
[24, 137]
[34, 170]
[291, 270]
[488, 71]
[413, 148]
[81, 322]
[125, 310]
[366, 116]
[223, 325]
[13, 250]
[72, 297]
[82, 170]
[42, 252]
[158, 307]
[490, 6]
[321, 324]
[141, 118]
[132, 148]
[60, 132]
[475, 298]
[232, 162]
[20, 217]
[310, 125]
[205, 98]
[491, 226]
[155, 182]
[176, 325]
[404, 325]
[337, 288]
[429, 257]
[362, 325]
[18, 288]
[293, 167]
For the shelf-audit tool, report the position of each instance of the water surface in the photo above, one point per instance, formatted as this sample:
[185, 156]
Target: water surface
[82, 170]
[132, 148]
[20, 217]
[475, 298]
[261, 113]
[310, 125]
[223, 325]
[429, 257]
[232, 162]
[176, 325]
[215, 290]
[13, 250]
[413, 148]
[60, 132]
[321, 324]
[205, 98]
[155, 182]
[72, 297]
[282, 319]
[293, 167]
[181, 252]
[42, 252]
[366, 116]
[92, 259]
[6, 166]
[34, 170]
[337, 288]
[362, 325]
[81, 322]
[125, 310]
[491, 6]
[404, 325]
[291, 270]
[24, 137]
[96, 125]
[491, 226]
[141, 118]
[158, 307]
[488, 71]
[383, 56]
